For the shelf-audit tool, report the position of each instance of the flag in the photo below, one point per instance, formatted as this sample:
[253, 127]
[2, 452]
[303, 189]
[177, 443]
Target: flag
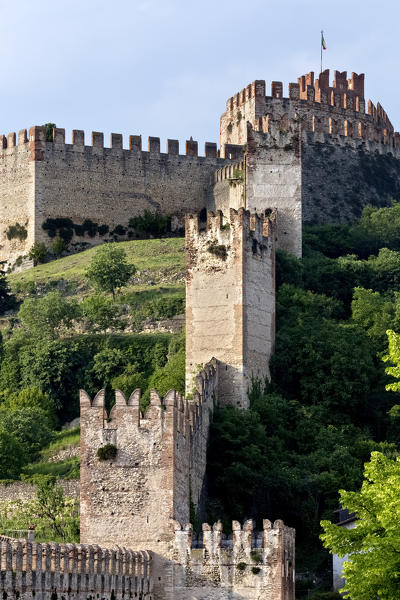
[323, 41]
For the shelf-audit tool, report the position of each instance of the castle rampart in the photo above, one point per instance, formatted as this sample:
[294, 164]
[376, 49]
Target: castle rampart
[246, 565]
[160, 456]
[230, 299]
[43, 180]
[72, 571]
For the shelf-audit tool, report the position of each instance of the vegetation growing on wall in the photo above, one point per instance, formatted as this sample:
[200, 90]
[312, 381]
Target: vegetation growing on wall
[17, 231]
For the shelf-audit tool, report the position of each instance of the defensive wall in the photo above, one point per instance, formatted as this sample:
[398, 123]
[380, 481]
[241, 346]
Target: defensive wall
[160, 464]
[72, 571]
[247, 564]
[230, 299]
[43, 180]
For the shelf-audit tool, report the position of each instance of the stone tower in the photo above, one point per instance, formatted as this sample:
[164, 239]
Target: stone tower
[132, 499]
[230, 300]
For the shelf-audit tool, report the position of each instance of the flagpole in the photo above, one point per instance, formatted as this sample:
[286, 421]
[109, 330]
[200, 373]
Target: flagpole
[322, 35]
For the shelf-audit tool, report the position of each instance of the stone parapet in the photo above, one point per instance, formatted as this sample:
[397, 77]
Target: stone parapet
[72, 571]
[248, 563]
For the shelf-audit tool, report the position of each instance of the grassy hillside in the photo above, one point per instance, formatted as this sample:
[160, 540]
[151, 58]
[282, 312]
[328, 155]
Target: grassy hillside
[158, 262]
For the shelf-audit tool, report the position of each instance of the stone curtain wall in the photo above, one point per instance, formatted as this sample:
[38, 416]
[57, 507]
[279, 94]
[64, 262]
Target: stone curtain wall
[131, 500]
[339, 179]
[248, 565]
[230, 303]
[72, 571]
[17, 185]
[111, 185]
[19, 490]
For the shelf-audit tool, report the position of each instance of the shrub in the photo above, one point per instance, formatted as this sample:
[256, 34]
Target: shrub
[107, 452]
[241, 566]
[255, 570]
[49, 131]
[38, 252]
[17, 231]
[151, 223]
[58, 246]
[218, 249]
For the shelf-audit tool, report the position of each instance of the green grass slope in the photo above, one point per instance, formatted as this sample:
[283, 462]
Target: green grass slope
[158, 262]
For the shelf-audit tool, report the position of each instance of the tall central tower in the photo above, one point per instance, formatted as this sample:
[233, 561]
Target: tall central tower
[230, 300]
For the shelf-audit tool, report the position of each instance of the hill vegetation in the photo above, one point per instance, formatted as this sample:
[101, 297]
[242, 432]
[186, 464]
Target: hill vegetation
[308, 432]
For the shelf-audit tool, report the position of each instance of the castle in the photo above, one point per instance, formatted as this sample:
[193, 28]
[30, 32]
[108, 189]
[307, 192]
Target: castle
[143, 475]
[318, 155]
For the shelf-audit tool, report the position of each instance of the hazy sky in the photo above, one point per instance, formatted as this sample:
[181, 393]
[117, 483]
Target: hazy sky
[166, 67]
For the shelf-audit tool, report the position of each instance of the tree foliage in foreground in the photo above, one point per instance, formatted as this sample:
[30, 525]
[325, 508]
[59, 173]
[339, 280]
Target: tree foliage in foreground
[373, 566]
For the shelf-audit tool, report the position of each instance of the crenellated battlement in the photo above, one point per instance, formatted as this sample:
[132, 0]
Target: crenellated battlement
[249, 563]
[73, 571]
[216, 229]
[230, 303]
[159, 461]
[37, 140]
[173, 410]
[311, 105]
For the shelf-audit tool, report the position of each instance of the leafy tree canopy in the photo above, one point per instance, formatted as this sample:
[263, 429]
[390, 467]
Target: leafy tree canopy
[373, 566]
[109, 269]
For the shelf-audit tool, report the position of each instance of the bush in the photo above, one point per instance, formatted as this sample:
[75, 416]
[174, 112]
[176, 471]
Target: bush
[12, 455]
[17, 231]
[38, 252]
[107, 452]
[151, 224]
[58, 246]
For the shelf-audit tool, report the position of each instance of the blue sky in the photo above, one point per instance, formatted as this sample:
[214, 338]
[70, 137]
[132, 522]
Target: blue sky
[166, 67]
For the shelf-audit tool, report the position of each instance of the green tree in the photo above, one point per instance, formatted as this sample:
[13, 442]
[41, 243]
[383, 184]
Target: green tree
[29, 397]
[49, 316]
[7, 298]
[12, 455]
[108, 363]
[109, 269]
[129, 380]
[38, 252]
[375, 313]
[373, 566]
[55, 515]
[31, 426]
[101, 313]
[58, 246]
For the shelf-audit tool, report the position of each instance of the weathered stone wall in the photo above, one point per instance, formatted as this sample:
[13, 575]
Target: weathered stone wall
[315, 156]
[131, 499]
[230, 303]
[71, 571]
[111, 185]
[17, 186]
[338, 180]
[247, 566]
[25, 491]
